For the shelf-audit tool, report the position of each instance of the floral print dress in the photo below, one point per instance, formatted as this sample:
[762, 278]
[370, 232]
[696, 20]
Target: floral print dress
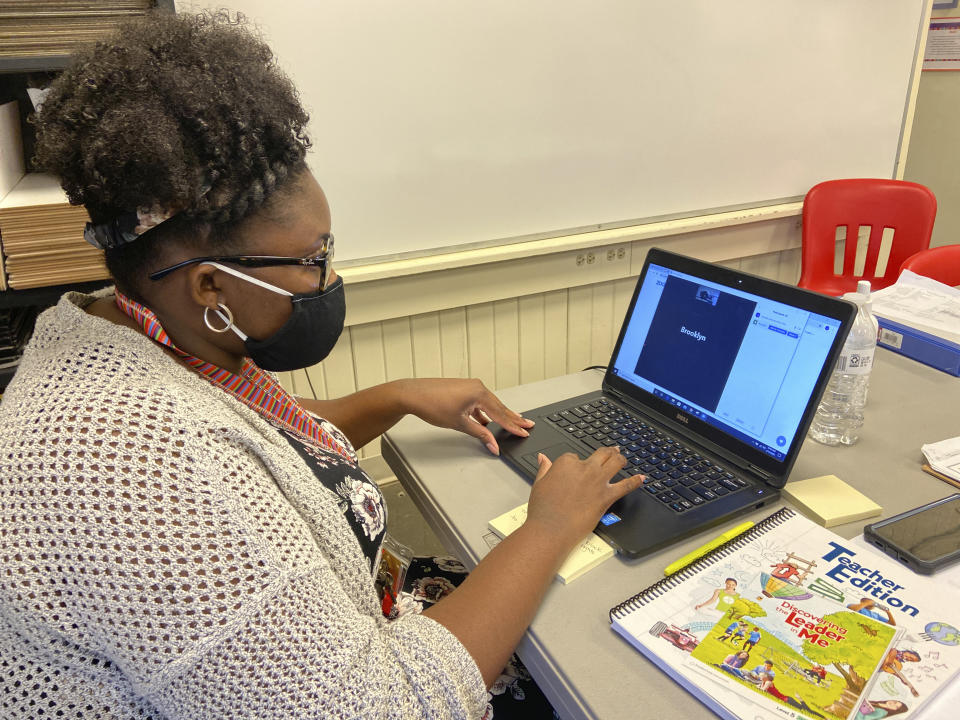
[360, 500]
[514, 694]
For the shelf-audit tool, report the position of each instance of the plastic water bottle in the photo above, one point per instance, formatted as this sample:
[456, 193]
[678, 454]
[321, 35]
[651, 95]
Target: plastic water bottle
[876, 328]
[840, 414]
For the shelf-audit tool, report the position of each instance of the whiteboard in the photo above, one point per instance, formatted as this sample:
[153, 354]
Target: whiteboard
[442, 124]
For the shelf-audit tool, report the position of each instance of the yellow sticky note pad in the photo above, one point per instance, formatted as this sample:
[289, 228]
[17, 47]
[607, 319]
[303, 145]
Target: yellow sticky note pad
[586, 556]
[830, 501]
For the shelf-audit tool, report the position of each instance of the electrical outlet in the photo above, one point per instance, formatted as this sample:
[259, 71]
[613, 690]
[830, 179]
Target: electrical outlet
[610, 254]
[616, 253]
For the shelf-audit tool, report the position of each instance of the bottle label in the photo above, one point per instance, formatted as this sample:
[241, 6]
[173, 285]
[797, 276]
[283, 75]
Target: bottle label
[856, 363]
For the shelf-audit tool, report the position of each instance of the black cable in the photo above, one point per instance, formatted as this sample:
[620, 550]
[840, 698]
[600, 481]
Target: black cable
[310, 383]
[595, 367]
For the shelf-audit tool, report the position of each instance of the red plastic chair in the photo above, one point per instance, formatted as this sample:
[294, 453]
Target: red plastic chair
[908, 208]
[940, 263]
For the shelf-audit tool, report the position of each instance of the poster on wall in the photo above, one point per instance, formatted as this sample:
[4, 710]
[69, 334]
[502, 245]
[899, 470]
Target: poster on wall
[943, 44]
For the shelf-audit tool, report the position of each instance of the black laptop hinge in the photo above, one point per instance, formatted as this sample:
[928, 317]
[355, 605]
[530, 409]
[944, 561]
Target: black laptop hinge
[760, 473]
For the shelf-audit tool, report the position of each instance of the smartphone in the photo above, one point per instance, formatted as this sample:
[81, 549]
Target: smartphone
[925, 539]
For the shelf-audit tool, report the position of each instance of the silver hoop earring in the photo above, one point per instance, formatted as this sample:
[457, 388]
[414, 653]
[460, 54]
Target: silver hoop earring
[225, 311]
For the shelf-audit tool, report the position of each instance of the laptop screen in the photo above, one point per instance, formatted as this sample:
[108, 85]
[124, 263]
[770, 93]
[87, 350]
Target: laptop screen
[741, 362]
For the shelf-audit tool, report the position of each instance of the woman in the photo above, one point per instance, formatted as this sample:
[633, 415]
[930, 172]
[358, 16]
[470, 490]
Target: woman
[179, 537]
[893, 664]
[879, 709]
[737, 660]
[724, 596]
[734, 661]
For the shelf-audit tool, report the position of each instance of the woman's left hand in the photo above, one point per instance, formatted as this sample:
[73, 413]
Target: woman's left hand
[464, 405]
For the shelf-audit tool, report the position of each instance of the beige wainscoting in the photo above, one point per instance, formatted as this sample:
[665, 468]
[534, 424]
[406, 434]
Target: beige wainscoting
[519, 320]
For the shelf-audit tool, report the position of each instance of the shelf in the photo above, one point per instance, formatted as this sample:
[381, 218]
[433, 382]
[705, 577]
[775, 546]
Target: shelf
[46, 295]
[40, 63]
[68, 19]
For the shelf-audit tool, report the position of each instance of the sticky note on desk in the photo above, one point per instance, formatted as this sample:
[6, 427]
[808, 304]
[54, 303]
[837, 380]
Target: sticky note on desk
[830, 501]
[586, 556]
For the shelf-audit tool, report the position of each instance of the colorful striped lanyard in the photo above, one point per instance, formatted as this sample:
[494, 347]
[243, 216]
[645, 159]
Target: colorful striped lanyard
[253, 387]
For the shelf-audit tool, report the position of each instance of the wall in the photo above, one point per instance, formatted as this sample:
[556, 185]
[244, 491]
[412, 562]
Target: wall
[516, 321]
[444, 125]
[934, 151]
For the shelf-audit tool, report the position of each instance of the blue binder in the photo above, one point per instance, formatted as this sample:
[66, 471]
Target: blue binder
[928, 349]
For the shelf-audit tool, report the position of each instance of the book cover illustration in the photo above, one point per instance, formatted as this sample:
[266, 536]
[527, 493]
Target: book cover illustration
[807, 654]
[741, 599]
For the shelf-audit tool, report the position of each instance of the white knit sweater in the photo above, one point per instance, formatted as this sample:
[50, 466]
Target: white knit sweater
[165, 553]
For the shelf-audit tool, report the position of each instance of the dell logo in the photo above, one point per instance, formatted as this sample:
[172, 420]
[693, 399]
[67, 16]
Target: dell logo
[683, 418]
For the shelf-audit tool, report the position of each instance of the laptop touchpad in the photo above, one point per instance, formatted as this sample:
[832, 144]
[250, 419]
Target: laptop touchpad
[553, 452]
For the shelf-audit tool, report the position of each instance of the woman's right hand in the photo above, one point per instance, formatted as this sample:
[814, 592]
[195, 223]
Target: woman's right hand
[491, 609]
[570, 495]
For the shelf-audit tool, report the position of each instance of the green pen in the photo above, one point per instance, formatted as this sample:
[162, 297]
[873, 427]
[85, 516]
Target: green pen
[692, 557]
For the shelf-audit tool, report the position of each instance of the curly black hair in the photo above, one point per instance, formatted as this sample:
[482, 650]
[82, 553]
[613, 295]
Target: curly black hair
[181, 112]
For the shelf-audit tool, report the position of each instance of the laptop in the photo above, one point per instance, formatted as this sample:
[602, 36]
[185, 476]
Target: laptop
[713, 382]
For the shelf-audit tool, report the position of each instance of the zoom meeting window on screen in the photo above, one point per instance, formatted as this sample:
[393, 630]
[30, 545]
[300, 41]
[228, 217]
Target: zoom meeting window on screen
[740, 362]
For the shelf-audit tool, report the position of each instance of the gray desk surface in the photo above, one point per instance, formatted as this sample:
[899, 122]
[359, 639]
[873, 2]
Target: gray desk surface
[585, 668]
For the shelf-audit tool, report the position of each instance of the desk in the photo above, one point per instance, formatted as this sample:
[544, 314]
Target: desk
[584, 668]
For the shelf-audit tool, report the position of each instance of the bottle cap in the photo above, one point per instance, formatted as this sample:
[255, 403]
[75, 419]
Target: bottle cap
[863, 287]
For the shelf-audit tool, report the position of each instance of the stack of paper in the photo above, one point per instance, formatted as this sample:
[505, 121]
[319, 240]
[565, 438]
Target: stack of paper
[920, 317]
[42, 237]
[52, 28]
[587, 555]
[943, 460]
[11, 158]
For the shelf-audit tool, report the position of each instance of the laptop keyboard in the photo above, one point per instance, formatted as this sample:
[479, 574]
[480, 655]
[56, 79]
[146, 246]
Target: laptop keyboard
[677, 476]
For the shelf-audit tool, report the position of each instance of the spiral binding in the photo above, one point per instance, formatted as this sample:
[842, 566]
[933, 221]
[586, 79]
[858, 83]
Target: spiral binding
[668, 583]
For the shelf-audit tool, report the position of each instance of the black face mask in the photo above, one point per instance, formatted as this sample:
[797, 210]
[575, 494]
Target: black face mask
[308, 335]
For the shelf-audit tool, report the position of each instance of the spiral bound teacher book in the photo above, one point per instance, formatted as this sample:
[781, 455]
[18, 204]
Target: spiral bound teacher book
[791, 620]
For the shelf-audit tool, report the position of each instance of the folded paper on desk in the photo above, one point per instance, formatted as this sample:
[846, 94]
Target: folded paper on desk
[919, 318]
[829, 501]
[943, 460]
[587, 555]
[845, 629]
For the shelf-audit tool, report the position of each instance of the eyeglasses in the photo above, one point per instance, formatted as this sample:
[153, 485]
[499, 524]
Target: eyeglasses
[322, 260]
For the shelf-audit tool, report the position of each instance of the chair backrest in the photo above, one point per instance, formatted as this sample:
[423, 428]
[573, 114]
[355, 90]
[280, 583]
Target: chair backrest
[940, 263]
[907, 208]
